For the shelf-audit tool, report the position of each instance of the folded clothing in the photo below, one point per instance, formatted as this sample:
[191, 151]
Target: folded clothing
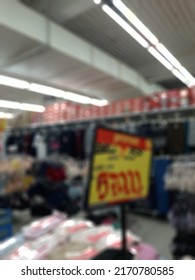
[43, 226]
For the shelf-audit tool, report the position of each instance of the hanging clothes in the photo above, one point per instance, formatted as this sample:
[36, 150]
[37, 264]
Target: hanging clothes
[160, 167]
[79, 144]
[40, 146]
[176, 138]
[67, 142]
[53, 142]
[159, 138]
[191, 134]
[88, 141]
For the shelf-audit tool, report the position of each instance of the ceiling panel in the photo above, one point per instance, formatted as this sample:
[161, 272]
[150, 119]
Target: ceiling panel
[172, 21]
[102, 31]
[44, 65]
[51, 68]
[13, 46]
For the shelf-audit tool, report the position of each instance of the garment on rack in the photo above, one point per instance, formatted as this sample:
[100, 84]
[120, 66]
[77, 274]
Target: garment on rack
[11, 144]
[176, 138]
[67, 142]
[181, 176]
[191, 134]
[79, 152]
[182, 214]
[3, 137]
[40, 146]
[53, 142]
[28, 147]
[88, 141]
[159, 139]
[128, 127]
[145, 130]
[183, 244]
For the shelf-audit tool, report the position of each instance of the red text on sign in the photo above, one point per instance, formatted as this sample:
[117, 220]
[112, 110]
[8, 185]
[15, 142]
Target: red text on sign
[126, 183]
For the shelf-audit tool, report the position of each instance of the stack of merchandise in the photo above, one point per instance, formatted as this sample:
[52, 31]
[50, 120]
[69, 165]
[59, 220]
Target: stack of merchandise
[14, 172]
[15, 182]
[57, 238]
[41, 186]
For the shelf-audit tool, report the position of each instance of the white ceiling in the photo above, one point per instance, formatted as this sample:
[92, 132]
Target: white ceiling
[26, 59]
[172, 21]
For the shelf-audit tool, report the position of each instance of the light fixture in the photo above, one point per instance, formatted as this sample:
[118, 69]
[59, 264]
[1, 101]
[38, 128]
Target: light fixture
[4, 115]
[147, 39]
[12, 82]
[180, 76]
[50, 91]
[110, 12]
[97, 102]
[191, 84]
[164, 51]
[185, 73]
[164, 95]
[134, 20]
[31, 107]
[21, 106]
[184, 93]
[77, 98]
[97, 2]
[160, 58]
[46, 90]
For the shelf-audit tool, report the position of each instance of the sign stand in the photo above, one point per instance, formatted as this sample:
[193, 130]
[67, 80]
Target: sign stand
[123, 231]
[119, 173]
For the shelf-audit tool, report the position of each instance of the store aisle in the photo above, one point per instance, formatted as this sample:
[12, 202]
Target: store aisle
[153, 230]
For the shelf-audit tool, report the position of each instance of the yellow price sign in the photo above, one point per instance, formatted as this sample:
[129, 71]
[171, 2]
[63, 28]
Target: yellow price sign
[120, 168]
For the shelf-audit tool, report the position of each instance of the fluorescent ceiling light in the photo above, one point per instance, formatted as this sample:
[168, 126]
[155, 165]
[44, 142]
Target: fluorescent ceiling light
[46, 90]
[164, 95]
[9, 104]
[67, 95]
[135, 21]
[191, 84]
[21, 106]
[180, 76]
[185, 73]
[164, 51]
[12, 82]
[125, 26]
[77, 98]
[97, 102]
[160, 58]
[97, 2]
[157, 49]
[31, 107]
[4, 115]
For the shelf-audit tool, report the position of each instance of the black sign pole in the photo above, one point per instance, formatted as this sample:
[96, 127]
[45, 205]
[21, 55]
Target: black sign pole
[123, 229]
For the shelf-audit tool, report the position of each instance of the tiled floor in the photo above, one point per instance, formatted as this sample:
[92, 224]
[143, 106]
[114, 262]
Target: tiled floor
[151, 229]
